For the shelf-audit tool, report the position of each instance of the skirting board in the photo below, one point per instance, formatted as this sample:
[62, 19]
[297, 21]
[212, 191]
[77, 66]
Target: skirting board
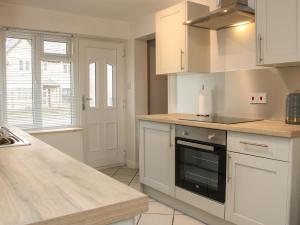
[184, 207]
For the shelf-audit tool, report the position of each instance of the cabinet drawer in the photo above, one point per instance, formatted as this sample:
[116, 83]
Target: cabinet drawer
[259, 145]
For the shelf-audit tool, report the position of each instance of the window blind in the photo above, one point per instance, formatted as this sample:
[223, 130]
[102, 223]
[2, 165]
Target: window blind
[38, 81]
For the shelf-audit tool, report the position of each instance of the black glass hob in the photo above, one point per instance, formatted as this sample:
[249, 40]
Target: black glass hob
[218, 119]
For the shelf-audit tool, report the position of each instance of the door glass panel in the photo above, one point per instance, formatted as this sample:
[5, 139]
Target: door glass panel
[92, 85]
[109, 80]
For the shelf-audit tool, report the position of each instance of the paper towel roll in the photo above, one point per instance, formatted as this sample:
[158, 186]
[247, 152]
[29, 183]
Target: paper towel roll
[205, 103]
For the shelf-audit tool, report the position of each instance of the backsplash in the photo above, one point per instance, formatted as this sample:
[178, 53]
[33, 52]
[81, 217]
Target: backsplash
[231, 91]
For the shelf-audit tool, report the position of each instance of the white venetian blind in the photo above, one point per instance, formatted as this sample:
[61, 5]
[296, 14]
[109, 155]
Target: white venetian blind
[19, 91]
[40, 94]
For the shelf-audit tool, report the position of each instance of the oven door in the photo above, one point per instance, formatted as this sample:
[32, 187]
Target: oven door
[201, 168]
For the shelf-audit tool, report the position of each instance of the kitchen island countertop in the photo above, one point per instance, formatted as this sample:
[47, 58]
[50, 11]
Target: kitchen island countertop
[42, 186]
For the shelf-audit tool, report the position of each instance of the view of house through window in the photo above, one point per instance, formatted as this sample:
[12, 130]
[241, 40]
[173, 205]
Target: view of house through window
[38, 95]
[56, 98]
[19, 102]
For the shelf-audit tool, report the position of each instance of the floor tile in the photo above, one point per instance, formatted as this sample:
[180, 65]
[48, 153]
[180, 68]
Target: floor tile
[124, 182]
[136, 219]
[178, 212]
[156, 219]
[158, 213]
[126, 171]
[124, 178]
[152, 200]
[186, 220]
[136, 179]
[110, 171]
[159, 208]
[135, 186]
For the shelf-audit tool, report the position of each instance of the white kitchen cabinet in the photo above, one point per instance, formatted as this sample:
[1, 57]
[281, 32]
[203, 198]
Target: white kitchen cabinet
[157, 156]
[181, 48]
[257, 190]
[277, 32]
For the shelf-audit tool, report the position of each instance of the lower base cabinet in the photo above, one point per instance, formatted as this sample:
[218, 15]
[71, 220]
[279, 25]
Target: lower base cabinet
[157, 156]
[263, 178]
[257, 190]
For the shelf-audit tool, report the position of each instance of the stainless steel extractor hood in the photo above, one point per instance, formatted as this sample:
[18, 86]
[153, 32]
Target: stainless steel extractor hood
[231, 13]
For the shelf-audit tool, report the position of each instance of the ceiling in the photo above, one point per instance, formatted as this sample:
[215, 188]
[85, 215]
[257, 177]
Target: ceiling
[111, 9]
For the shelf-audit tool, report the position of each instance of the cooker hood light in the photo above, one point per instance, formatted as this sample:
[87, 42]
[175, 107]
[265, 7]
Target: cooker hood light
[241, 23]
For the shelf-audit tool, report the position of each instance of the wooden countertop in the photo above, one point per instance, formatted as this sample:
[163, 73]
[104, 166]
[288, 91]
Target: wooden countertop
[42, 186]
[264, 127]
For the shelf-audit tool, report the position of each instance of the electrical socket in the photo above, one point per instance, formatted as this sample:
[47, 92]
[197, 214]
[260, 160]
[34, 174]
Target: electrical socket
[258, 98]
[252, 99]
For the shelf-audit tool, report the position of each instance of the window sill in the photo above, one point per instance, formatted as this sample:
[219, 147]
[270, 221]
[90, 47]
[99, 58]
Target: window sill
[60, 130]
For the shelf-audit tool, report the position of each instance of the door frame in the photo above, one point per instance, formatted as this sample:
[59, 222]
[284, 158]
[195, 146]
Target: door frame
[120, 91]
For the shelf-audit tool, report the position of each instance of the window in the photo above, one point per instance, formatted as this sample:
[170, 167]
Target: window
[19, 111]
[45, 66]
[66, 68]
[21, 65]
[55, 47]
[109, 80]
[56, 111]
[27, 65]
[41, 96]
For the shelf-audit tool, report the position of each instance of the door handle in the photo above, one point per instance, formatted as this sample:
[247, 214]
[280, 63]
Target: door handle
[84, 100]
[228, 168]
[181, 59]
[83, 103]
[196, 145]
[254, 144]
[170, 140]
[260, 57]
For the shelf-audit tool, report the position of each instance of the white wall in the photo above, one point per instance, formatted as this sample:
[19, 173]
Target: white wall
[158, 85]
[136, 53]
[70, 143]
[49, 20]
[137, 98]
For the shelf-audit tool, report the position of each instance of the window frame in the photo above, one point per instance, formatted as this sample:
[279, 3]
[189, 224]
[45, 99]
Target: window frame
[38, 56]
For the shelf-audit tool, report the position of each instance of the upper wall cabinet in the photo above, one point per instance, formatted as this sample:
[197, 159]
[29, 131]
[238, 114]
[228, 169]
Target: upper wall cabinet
[277, 32]
[181, 48]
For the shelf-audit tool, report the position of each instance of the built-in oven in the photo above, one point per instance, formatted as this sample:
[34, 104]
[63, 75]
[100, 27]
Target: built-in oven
[201, 161]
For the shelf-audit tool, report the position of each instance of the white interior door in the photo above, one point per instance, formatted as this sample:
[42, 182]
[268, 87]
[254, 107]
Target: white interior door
[100, 74]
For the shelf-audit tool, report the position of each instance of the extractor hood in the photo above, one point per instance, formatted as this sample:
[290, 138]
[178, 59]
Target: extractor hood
[231, 13]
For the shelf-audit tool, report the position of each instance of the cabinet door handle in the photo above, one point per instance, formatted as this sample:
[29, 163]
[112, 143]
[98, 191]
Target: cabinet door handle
[254, 144]
[170, 140]
[83, 103]
[260, 57]
[228, 167]
[181, 59]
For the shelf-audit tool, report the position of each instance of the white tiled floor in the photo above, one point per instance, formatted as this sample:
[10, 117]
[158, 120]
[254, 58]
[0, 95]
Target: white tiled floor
[158, 213]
